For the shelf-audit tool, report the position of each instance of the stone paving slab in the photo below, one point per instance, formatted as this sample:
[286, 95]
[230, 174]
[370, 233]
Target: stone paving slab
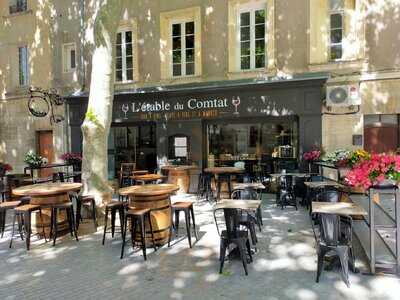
[284, 267]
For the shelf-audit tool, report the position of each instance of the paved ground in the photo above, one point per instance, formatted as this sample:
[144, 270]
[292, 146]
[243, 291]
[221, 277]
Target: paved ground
[283, 268]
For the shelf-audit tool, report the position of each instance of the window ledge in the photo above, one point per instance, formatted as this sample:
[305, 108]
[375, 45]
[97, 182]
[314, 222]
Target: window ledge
[20, 13]
[337, 65]
[259, 73]
[182, 79]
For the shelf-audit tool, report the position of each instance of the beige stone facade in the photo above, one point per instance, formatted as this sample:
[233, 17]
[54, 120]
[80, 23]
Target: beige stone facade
[296, 40]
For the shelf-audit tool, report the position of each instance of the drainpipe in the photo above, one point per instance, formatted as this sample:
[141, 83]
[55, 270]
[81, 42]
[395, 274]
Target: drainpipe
[82, 41]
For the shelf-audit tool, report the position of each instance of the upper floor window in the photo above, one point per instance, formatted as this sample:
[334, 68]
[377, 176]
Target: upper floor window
[23, 66]
[336, 8]
[183, 48]
[124, 56]
[17, 6]
[252, 25]
[69, 57]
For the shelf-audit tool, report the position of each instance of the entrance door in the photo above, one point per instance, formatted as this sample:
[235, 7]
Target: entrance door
[45, 145]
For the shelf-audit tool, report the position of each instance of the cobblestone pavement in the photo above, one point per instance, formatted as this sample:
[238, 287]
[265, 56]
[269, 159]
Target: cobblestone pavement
[283, 268]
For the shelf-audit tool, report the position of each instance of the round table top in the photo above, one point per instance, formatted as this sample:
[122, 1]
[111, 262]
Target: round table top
[125, 191]
[223, 170]
[154, 189]
[47, 189]
[148, 177]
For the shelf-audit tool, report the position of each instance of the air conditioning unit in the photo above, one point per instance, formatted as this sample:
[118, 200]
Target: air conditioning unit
[343, 95]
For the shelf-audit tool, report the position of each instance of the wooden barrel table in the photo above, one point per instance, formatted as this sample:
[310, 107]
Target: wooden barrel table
[45, 195]
[156, 197]
[180, 176]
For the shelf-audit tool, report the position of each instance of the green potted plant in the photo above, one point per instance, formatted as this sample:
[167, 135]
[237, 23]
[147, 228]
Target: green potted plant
[34, 161]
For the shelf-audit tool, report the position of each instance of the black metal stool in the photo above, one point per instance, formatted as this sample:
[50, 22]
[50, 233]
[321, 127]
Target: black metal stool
[138, 217]
[4, 207]
[23, 213]
[207, 189]
[187, 208]
[112, 207]
[88, 201]
[69, 209]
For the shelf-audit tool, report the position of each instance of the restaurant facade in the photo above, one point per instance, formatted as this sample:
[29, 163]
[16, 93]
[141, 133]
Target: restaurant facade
[210, 125]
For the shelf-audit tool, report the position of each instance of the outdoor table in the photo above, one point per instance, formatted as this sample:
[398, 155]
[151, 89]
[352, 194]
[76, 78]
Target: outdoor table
[156, 197]
[249, 185]
[223, 173]
[126, 191]
[140, 172]
[45, 195]
[238, 204]
[179, 175]
[338, 208]
[323, 184]
[300, 175]
[148, 178]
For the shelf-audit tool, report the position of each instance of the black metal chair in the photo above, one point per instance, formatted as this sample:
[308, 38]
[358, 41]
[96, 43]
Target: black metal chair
[233, 235]
[332, 238]
[286, 195]
[250, 194]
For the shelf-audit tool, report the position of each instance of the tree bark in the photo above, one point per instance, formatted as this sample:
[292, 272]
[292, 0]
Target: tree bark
[102, 28]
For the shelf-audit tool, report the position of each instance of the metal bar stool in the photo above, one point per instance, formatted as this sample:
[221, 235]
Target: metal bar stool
[23, 214]
[113, 207]
[87, 201]
[138, 217]
[68, 207]
[187, 208]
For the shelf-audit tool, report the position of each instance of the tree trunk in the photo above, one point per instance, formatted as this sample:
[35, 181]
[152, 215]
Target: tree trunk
[102, 28]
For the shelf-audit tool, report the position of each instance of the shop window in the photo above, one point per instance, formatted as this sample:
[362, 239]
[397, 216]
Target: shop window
[381, 133]
[252, 38]
[23, 70]
[183, 48]
[124, 57]
[69, 57]
[178, 147]
[17, 6]
[229, 143]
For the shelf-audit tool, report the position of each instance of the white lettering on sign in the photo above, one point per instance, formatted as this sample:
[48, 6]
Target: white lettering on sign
[164, 106]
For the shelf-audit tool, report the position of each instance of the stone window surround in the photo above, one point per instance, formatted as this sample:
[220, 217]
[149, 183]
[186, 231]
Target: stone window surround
[66, 48]
[319, 48]
[235, 6]
[131, 25]
[166, 21]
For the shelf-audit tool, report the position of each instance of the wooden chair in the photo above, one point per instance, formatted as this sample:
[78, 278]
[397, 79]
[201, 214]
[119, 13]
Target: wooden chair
[125, 173]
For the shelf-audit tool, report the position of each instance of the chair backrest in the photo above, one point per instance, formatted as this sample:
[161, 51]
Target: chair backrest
[245, 194]
[127, 169]
[286, 182]
[330, 229]
[231, 222]
[330, 195]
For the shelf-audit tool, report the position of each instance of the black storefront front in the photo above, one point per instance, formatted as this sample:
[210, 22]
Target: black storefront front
[210, 125]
